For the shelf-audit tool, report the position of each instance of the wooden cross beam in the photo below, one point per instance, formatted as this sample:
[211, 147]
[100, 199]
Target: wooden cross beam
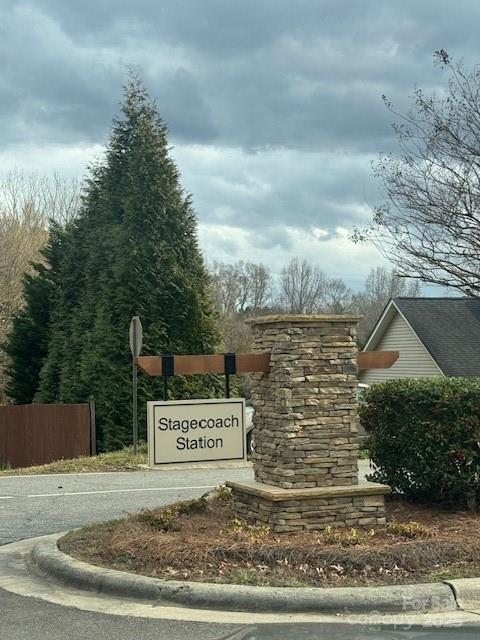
[245, 363]
[377, 359]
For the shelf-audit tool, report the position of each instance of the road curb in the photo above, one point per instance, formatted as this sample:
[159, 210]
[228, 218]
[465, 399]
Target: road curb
[466, 591]
[47, 558]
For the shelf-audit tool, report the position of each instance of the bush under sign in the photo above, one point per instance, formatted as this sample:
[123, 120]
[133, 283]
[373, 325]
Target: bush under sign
[196, 431]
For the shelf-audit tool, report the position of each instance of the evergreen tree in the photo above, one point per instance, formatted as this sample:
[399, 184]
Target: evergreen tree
[133, 250]
[26, 345]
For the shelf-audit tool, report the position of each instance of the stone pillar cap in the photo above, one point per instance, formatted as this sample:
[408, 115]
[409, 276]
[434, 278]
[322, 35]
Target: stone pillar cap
[304, 319]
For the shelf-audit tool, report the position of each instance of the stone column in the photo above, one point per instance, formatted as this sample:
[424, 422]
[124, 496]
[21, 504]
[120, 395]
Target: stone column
[306, 449]
[305, 409]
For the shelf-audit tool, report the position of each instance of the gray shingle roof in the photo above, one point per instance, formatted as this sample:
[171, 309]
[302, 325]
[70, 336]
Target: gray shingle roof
[450, 330]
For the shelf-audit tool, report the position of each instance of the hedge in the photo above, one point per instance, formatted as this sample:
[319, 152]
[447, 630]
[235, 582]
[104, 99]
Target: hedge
[424, 438]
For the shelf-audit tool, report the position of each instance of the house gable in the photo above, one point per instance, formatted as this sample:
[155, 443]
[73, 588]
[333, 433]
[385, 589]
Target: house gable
[393, 333]
[450, 330]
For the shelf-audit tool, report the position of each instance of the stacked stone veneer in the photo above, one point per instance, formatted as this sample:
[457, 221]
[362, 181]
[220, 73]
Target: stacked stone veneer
[306, 449]
[301, 511]
[306, 408]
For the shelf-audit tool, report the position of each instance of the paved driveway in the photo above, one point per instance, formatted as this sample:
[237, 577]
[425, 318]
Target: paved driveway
[32, 506]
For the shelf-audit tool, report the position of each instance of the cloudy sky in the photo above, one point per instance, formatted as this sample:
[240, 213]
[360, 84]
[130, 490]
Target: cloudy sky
[274, 106]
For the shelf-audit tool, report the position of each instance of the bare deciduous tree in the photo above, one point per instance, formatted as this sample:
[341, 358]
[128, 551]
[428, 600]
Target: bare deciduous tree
[337, 296]
[380, 285]
[241, 286]
[21, 239]
[226, 287]
[302, 287]
[239, 289]
[27, 202]
[260, 286]
[429, 223]
[245, 288]
[48, 197]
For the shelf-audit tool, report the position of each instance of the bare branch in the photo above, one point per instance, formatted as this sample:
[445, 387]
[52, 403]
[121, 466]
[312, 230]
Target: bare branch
[429, 222]
[27, 203]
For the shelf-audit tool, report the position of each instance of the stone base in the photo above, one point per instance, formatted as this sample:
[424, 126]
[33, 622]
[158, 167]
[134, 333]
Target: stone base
[286, 510]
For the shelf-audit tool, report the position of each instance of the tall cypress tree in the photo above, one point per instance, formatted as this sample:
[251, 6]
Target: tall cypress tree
[27, 342]
[132, 251]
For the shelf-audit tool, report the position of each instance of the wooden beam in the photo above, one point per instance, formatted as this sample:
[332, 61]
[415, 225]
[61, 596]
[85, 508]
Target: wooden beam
[247, 363]
[377, 359]
[151, 365]
[188, 365]
[215, 363]
[253, 363]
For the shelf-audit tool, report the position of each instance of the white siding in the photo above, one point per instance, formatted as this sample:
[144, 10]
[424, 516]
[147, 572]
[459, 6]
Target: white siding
[414, 360]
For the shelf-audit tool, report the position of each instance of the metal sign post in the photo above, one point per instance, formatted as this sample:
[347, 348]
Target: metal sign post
[136, 338]
[230, 368]
[168, 370]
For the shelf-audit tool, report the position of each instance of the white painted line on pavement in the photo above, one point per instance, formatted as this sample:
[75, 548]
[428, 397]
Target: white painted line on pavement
[181, 466]
[6, 497]
[72, 474]
[84, 493]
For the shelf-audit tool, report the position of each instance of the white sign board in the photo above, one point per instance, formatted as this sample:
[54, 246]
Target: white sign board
[196, 431]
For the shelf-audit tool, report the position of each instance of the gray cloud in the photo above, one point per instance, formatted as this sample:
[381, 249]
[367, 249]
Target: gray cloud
[256, 73]
[274, 105]
[267, 191]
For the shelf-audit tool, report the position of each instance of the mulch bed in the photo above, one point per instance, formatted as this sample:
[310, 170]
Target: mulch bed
[201, 540]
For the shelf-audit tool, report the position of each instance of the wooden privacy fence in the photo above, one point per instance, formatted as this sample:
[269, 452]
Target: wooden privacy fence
[32, 434]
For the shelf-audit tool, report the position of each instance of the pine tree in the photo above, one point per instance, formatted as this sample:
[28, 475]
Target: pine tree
[132, 251]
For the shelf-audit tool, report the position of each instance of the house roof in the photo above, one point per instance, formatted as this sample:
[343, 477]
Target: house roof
[449, 328]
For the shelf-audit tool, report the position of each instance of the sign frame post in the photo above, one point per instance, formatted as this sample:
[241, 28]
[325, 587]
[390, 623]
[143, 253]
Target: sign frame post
[136, 339]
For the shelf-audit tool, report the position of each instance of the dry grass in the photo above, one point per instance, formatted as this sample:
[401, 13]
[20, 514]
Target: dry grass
[123, 460]
[203, 541]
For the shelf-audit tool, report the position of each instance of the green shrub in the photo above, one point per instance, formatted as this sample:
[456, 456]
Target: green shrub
[424, 438]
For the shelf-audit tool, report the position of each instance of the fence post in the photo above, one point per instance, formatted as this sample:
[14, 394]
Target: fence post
[93, 429]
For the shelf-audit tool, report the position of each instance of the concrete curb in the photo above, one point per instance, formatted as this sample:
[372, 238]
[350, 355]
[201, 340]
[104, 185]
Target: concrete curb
[46, 557]
[467, 592]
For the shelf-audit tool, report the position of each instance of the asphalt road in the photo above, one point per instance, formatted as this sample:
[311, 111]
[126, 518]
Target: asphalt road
[32, 506]
[30, 619]
[38, 505]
